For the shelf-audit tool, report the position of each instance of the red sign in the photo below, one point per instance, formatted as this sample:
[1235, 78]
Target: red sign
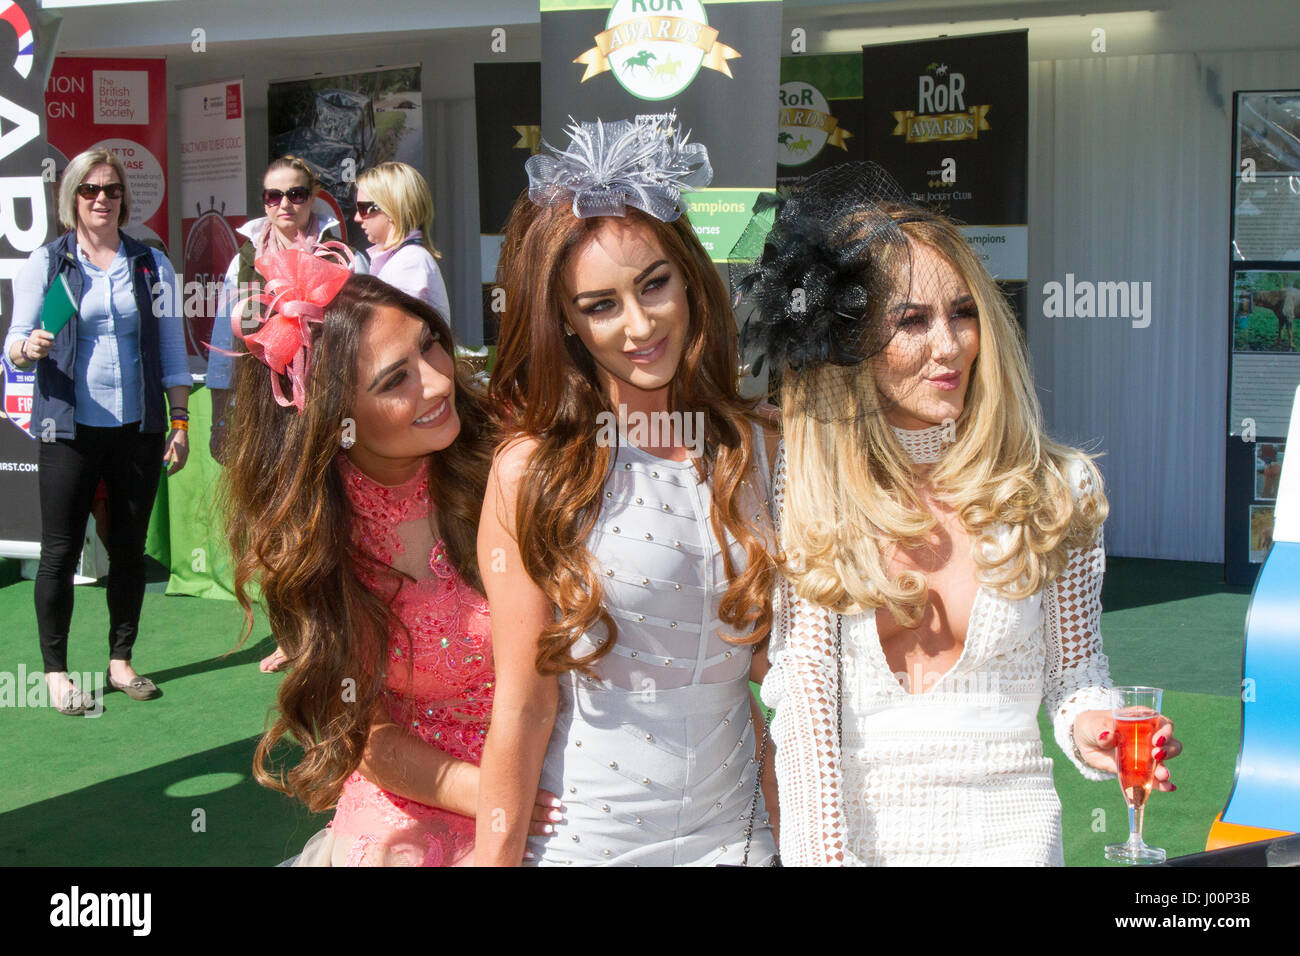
[119, 105]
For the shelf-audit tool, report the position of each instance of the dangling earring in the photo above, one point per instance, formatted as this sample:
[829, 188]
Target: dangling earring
[568, 331]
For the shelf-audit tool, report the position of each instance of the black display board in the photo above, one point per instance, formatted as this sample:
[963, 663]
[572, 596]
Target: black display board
[949, 118]
[28, 181]
[1263, 311]
[507, 119]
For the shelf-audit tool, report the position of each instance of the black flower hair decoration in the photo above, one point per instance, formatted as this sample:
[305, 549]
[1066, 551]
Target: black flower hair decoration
[814, 263]
[647, 163]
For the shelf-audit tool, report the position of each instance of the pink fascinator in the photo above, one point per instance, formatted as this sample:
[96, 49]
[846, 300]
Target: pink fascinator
[299, 285]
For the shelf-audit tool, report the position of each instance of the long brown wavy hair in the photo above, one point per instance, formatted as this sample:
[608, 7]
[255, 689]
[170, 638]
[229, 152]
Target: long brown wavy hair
[545, 386]
[289, 530]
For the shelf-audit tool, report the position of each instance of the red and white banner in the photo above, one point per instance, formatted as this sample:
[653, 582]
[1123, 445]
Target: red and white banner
[119, 105]
[214, 198]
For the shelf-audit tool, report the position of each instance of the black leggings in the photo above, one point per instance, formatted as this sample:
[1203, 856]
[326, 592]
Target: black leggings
[130, 463]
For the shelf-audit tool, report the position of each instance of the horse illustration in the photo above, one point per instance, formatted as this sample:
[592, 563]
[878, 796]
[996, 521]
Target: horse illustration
[1283, 303]
[667, 69]
[800, 145]
[641, 59]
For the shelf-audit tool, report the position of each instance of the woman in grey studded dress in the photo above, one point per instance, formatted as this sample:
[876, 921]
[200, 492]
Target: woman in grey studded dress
[624, 537]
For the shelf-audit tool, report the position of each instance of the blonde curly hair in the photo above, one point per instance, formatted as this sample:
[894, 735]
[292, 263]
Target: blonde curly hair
[850, 484]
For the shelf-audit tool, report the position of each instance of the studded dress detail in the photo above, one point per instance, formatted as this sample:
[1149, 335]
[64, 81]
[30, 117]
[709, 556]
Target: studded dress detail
[955, 775]
[438, 684]
[653, 757]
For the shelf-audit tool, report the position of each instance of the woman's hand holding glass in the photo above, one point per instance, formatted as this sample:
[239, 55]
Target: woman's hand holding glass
[1094, 735]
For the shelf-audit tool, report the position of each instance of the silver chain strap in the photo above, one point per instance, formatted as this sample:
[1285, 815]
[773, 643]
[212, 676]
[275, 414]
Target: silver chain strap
[839, 684]
[758, 776]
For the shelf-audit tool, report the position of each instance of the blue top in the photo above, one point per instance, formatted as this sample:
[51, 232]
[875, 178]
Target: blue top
[107, 373]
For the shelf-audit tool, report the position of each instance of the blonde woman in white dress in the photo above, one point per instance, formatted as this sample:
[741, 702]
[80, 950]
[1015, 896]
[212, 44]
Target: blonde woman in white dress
[943, 556]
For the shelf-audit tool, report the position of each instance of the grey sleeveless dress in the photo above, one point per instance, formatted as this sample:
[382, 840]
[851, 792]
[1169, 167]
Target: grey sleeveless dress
[654, 757]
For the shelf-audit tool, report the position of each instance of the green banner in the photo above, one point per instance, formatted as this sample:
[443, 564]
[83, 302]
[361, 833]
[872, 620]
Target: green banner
[719, 216]
[198, 556]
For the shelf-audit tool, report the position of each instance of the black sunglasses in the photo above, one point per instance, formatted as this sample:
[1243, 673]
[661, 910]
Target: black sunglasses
[92, 190]
[297, 195]
[368, 209]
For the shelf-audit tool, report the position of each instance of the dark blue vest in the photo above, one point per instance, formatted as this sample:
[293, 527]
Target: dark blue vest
[56, 394]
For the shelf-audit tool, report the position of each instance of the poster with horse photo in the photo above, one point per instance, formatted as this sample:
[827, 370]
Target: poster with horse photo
[1266, 311]
[343, 125]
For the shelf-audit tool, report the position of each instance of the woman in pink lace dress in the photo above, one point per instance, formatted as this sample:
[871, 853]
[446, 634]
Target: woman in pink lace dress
[439, 686]
[358, 468]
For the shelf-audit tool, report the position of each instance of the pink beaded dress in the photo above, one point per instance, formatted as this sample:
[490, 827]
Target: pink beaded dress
[439, 684]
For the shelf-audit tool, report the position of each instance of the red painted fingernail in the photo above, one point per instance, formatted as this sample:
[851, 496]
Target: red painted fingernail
[1160, 754]
[1103, 735]
[1173, 787]
[1159, 740]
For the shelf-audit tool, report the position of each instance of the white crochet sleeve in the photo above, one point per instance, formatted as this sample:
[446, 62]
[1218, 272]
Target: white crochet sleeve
[801, 685]
[1077, 676]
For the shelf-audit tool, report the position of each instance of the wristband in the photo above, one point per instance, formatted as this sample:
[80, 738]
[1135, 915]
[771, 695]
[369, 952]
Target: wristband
[180, 413]
[180, 425]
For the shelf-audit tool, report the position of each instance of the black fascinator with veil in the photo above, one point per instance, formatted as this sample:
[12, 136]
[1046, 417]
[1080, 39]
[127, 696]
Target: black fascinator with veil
[820, 275]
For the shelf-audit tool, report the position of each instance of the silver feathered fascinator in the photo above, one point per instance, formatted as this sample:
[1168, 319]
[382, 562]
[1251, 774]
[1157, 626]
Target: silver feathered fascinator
[646, 163]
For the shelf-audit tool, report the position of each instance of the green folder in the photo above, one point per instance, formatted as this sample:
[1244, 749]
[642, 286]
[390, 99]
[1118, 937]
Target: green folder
[58, 306]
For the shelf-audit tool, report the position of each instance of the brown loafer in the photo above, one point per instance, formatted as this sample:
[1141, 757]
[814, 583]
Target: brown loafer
[74, 702]
[139, 688]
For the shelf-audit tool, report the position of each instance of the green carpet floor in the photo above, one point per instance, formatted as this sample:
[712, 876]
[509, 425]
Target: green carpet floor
[168, 782]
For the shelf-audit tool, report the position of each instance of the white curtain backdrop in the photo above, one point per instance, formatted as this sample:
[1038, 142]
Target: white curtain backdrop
[1129, 175]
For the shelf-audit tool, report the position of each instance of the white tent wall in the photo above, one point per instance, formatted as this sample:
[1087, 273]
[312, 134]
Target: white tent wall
[1130, 167]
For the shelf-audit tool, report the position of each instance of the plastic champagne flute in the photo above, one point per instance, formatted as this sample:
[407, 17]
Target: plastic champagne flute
[1137, 716]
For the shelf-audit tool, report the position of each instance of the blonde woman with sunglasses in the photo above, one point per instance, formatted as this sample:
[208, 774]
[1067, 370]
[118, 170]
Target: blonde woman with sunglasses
[395, 211]
[105, 350]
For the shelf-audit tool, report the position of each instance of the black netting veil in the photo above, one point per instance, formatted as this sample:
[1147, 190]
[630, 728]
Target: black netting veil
[822, 276]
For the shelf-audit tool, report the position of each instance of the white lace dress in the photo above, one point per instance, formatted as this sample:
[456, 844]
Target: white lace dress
[953, 776]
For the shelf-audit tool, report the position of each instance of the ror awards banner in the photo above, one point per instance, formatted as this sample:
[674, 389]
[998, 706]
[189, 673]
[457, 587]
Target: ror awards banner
[819, 116]
[118, 105]
[507, 120]
[25, 225]
[713, 63]
[949, 119]
[214, 200]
